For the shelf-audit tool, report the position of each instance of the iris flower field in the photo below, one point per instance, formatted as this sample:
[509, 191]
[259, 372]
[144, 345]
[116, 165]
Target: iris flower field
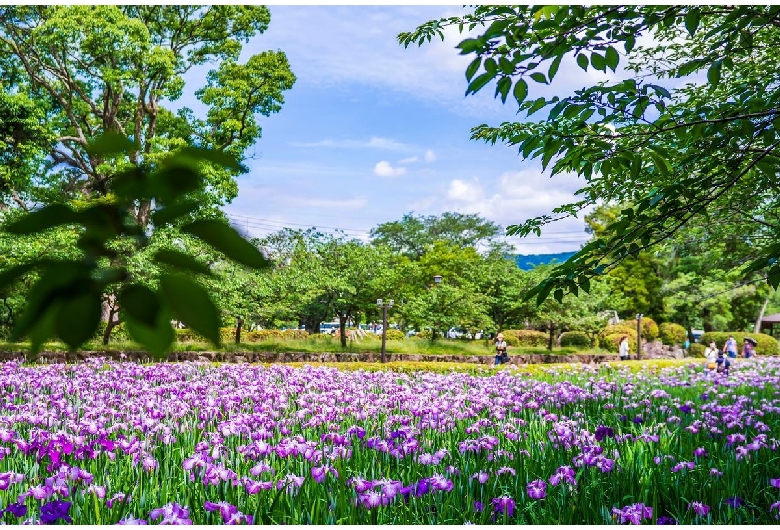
[106, 443]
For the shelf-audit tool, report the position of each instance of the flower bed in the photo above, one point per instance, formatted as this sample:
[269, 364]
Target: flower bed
[104, 442]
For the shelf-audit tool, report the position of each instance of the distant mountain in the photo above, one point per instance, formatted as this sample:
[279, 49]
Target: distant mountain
[527, 262]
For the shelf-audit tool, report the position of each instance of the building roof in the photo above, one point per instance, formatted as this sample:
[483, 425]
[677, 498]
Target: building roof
[771, 319]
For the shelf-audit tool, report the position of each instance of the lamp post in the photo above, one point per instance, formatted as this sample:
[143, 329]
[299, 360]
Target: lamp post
[384, 306]
[639, 336]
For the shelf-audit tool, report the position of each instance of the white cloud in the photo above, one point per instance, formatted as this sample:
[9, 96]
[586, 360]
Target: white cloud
[384, 169]
[409, 160]
[430, 156]
[375, 142]
[468, 192]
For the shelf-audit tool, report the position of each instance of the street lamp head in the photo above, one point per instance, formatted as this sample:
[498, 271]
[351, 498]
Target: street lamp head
[437, 279]
[390, 303]
[379, 302]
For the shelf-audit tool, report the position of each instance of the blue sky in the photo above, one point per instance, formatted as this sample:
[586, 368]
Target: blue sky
[372, 131]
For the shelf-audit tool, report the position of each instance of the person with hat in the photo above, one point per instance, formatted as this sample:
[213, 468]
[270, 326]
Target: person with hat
[749, 348]
[501, 356]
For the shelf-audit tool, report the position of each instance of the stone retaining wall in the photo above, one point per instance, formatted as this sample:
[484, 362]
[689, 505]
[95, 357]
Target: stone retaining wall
[270, 357]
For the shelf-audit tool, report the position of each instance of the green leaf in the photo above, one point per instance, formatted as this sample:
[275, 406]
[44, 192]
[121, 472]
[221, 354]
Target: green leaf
[692, 20]
[78, 318]
[225, 239]
[109, 144]
[181, 260]
[612, 58]
[468, 45]
[8, 276]
[521, 91]
[472, 68]
[140, 303]
[479, 82]
[156, 339]
[630, 43]
[558, 295]
[214, 156]
[713, 74]
[172, 212]
[598, 62]
[582, 60]
[554, 67]
[539, 77]
[502, 87]
[53, 283]
[43, 219]
[192, 304]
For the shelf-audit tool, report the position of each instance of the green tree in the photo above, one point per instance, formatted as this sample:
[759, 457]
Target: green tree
[113, 69]
[677, 151]
[412, 235]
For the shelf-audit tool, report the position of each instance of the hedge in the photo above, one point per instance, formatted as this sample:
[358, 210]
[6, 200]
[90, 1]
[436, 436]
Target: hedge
[577, 339]
[696, 350]
[671, 333]
[767, 345]
[526, 337]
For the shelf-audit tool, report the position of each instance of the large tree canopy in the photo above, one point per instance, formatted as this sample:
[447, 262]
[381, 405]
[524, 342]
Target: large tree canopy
[674, 146]
[113, 69]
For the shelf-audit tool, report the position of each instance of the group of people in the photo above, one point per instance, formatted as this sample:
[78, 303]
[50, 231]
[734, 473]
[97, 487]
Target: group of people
[719, 359]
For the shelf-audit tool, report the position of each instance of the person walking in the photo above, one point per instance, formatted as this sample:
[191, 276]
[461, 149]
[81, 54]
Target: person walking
[730, 348]
[501, 356]
[623, 348]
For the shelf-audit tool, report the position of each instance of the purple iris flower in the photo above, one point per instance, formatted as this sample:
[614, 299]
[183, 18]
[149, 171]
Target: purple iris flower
[226, 510]
[686, 409]
[700, 451]
[699, 508]
[172, 513]
[504, 505]
[131, 520]
[665, 519]
[735, 502]
[603, 431]
[774, 482]
[53, 511]
[537, 489]
[17, 509]
[638, 420]
[478, 506]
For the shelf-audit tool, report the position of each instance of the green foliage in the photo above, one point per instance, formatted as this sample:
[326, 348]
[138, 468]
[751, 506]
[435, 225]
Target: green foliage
[671, 333]
[394, 334]
[611, 341]
[767, 345]
[671, 158]
[525, 337]
[578, 339]
[66, 300]
[650, 329]
[696, 350]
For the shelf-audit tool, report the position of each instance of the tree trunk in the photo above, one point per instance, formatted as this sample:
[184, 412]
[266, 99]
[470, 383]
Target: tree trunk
[110, 310]
[343, 330]
[757, 327]
[552, 334]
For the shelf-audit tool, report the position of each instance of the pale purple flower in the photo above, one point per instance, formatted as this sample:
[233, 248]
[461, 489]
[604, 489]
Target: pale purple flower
[700, 451]
[775, 506]
[563, 473]
[481, 476]
[131, 520]
[172, 513]
[633, 513]
[117, 497]
[774, 482]
[715, 472]
[505, 505]
[699, 508]
[100, 491]
[537, 489]
[225, 508]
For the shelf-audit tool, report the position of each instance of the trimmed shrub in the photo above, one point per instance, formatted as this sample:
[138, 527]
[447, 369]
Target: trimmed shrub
[295, 334]
[261, 335]
[578, 339]
[767, 345]
[671, 333]
[395, 334]
[697, 350]
[625, 328]
[649, 329]
[611, 341]
[526, 337]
